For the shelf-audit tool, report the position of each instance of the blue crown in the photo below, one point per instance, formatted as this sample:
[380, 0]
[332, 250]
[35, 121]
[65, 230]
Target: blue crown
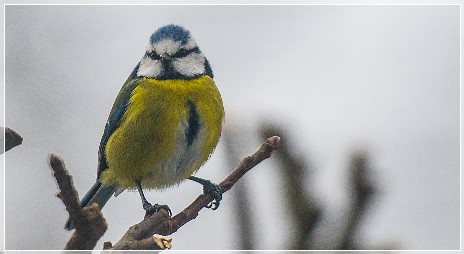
[173, 32]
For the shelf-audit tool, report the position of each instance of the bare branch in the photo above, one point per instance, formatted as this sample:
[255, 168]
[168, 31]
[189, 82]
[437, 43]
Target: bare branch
[12, 138]
[245, 165]
[89, 222]
[243, 210]
[140, 235]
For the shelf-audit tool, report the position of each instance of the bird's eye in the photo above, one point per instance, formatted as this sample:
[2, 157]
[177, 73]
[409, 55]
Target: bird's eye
[181, 53]
[153, 55]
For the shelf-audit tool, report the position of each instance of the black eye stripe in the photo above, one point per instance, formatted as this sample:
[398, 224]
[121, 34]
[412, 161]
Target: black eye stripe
[185, 52]
[153, 55]
[180, 53]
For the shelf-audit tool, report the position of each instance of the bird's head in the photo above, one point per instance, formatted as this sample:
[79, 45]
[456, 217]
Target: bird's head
[173, 54]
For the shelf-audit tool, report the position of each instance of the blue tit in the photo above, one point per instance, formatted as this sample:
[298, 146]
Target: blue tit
[164, 124]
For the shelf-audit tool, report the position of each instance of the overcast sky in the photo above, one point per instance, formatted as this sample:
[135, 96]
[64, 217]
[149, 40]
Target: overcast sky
[340, 78]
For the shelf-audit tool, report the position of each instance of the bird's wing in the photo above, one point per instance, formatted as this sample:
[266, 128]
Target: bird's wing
[119, 108]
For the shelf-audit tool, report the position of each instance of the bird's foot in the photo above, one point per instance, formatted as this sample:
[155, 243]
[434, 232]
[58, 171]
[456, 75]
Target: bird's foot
[213, 189]
[151, 209]
[215, 192]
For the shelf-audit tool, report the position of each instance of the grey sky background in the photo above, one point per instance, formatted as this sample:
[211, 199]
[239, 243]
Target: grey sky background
[341, 78]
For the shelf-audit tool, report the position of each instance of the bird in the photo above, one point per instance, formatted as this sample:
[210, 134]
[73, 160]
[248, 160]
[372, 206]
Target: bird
[165, 123]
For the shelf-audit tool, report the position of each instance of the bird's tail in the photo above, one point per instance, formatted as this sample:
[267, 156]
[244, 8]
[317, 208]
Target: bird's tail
[96, 194]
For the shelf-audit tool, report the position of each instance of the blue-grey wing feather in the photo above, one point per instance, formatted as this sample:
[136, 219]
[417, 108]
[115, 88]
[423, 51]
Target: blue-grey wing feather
[117, 112]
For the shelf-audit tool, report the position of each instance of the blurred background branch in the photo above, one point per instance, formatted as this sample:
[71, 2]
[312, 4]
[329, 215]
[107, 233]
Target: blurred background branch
[293, 168]
[305, 209]
[362, 191]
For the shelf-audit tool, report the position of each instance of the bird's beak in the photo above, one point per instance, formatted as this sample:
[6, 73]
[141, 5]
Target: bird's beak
[165, 57]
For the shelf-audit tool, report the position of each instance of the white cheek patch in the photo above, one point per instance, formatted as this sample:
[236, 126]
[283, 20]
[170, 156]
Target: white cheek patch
[149, 68]
[166, 46]
[191, 65]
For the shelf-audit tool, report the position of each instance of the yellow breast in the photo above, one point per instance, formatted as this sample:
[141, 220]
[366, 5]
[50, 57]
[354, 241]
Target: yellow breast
[153, 143]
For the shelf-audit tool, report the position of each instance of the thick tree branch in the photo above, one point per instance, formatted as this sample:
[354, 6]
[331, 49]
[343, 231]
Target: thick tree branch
[140, 236]
[89, 222]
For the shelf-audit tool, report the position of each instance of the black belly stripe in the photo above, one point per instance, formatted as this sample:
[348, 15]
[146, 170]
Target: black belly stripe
[193, 123]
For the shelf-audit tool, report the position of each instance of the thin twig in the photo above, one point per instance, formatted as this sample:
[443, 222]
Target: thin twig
[243, 210]
[245, 165]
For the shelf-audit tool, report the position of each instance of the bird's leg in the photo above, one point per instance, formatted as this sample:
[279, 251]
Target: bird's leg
[147, 206]
[211, 188]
